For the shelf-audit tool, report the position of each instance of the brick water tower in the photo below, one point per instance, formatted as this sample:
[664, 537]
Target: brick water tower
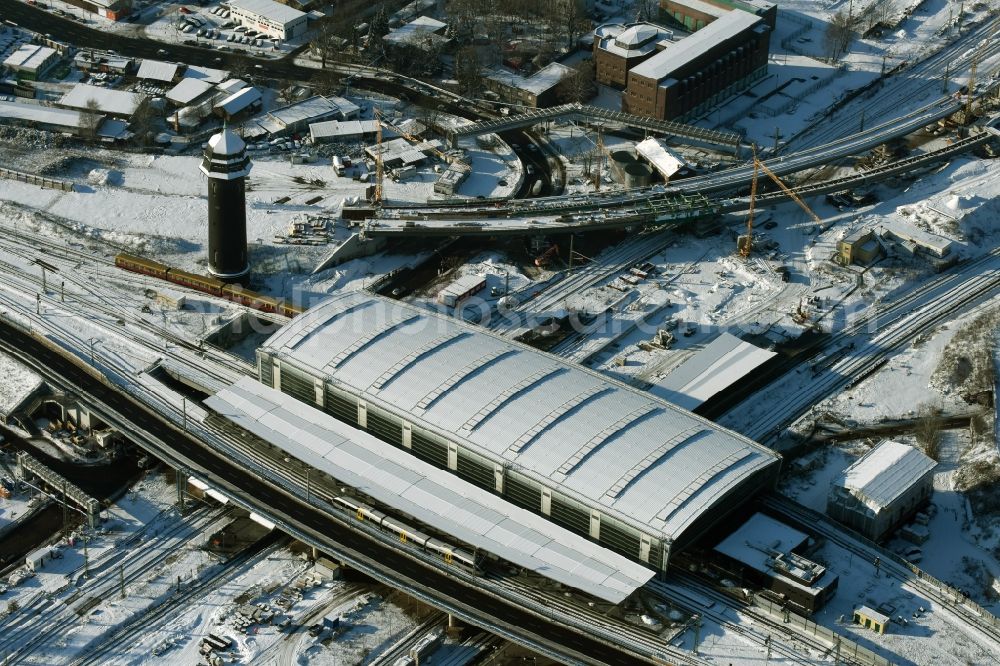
[226, 164]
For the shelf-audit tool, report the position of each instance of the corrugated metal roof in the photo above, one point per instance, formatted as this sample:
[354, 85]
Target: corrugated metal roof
[107, 100]
[551, 419]
[722, 362]
[239, 100]
[156, 70]
[432, 496]
[885, 473]
[188, 90]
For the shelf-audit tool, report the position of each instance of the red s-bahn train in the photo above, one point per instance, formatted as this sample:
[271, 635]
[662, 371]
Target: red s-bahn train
[206, 284]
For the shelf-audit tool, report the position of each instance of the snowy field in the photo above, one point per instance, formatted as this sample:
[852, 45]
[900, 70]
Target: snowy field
[16, 383]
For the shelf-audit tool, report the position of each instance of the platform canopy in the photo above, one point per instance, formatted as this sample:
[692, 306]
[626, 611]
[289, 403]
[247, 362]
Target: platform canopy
[432, 496]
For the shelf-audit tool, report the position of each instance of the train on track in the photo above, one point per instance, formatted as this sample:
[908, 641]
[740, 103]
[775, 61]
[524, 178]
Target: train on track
[407, 534]
[206, 284]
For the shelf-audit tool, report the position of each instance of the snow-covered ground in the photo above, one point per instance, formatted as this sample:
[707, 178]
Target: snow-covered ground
[17, 505]
[16, 383]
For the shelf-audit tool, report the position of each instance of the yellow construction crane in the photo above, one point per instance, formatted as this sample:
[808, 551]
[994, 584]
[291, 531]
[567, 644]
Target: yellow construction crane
[377, 196]
[760, 166]
[748, 241]
[971, 83]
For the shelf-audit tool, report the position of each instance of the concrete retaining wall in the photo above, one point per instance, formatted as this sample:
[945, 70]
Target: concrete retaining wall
[41, 181]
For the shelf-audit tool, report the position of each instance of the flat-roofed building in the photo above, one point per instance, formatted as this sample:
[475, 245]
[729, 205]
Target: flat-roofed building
[111, 9]
[269, 17]
[774, 556]
[535, 91]
[696, 14]
[116, 103]
[690, 76]
[618, 48]
[31, 61]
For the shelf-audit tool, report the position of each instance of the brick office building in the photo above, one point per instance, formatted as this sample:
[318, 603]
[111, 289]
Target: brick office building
[618, 48]
[669, 78]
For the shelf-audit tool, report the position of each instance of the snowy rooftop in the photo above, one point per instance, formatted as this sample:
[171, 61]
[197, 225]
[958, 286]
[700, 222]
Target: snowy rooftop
[537, 83]
[662, 158]
[226, 143]
[205, 73]
[188, 90]
[156, 70]
[706, 8]
[239, 100]
[344, 128]
[45, 115]
[721, 363]
[645, 461]
[29, 56]
[232, 85]
[314, 107]
[110, 101]
[767, 546]
[18, 383]
[268, 8]
[431, 495]
[885, 473]
[682, 53]
[630, 41]
[420, 28]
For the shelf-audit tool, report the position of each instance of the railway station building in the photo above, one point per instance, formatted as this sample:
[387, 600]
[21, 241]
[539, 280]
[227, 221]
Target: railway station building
[619, 467]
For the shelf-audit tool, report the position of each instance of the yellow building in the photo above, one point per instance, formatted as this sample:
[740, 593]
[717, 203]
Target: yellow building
[858, 247]
[871, 619]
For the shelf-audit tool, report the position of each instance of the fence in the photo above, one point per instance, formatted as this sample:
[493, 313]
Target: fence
[41, 181]
[847, 650]
[805, 25]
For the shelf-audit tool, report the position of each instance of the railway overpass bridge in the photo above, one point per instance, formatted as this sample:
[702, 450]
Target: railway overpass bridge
[664, 208]
[728, 141]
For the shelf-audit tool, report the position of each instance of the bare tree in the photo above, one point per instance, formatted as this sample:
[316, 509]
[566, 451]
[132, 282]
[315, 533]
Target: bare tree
[468, 69]
[327, 42]
[569, 18]
[326, 82]
[579, 86]
[142, 122]
[647, 10]
[928, 431]
[90, 119]
[837, 37]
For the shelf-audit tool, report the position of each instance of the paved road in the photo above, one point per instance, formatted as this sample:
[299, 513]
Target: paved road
[75, 33]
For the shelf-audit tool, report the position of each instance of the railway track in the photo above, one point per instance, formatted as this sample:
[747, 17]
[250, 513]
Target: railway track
[147, 333]
[981, 625]
[692, 599]
[875, 337]
[48, 618]
[914, 82]
[617, 260]
[435, 622]
[137, 627]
